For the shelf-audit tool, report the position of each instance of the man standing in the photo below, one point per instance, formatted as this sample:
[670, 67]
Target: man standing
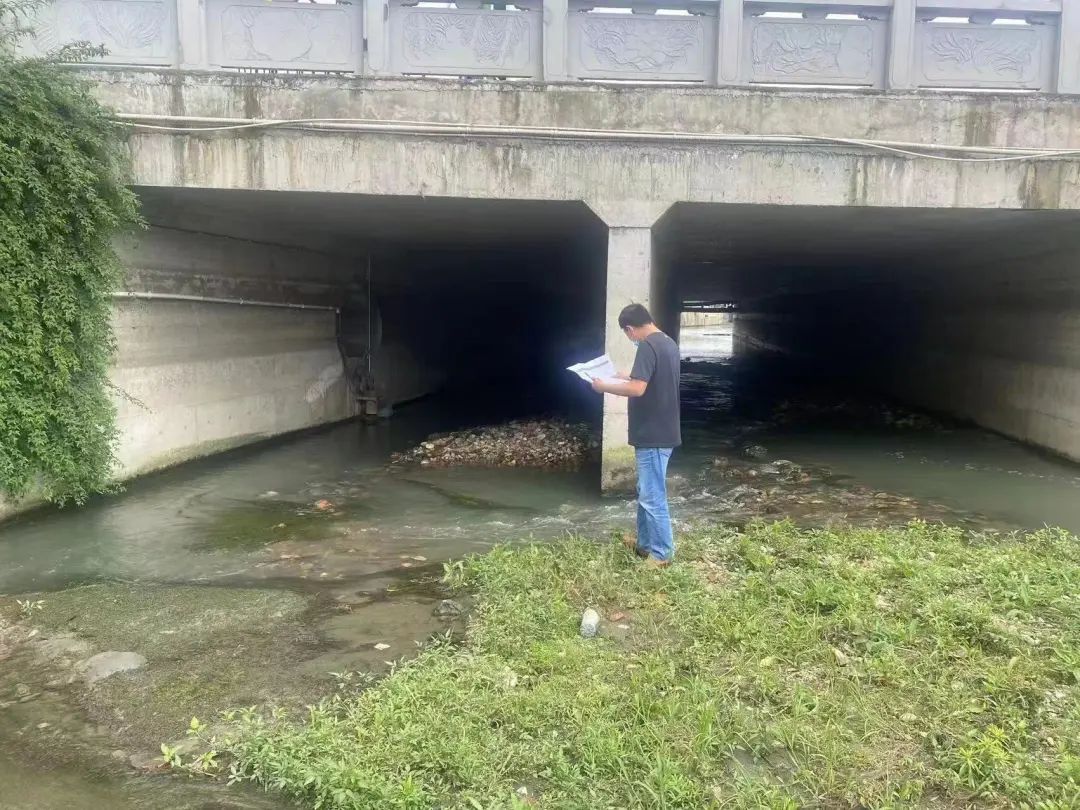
[653, 390]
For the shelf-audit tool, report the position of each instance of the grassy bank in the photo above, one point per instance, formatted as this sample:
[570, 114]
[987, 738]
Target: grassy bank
[921, 666]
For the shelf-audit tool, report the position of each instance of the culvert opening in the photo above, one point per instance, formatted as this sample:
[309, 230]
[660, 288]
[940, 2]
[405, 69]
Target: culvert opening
[923, 351]
[474, 307]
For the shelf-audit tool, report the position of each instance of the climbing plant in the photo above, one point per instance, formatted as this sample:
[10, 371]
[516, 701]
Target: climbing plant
[62, 199]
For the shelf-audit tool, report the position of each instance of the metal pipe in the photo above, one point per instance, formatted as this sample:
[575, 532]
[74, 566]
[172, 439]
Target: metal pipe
[205, 299]
[191, 124]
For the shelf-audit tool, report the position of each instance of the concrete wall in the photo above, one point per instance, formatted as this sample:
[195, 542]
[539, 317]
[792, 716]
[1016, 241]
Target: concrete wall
[197, 377]
[608, 169]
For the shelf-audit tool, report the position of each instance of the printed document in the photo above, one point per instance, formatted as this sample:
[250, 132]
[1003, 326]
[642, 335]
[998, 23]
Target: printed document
[599, 368]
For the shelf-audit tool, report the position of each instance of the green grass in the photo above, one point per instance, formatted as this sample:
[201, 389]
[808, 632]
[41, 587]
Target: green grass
[775, 667]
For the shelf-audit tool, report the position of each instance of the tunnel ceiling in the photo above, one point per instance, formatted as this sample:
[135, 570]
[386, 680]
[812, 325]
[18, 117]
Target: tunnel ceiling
[746, 253]
[351, 224]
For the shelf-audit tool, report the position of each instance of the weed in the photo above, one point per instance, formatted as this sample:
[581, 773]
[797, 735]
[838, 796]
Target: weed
[847, 667]
[27, 607]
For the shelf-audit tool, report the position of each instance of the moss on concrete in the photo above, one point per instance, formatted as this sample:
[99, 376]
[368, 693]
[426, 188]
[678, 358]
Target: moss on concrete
[618, 471]
[207, 648]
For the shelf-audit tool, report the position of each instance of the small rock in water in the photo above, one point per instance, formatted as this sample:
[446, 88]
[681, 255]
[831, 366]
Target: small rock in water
[447, 609]
[104, 665]
[381, 646]
[323, 505]
[145, 761]
[755, 451]
[590, 622]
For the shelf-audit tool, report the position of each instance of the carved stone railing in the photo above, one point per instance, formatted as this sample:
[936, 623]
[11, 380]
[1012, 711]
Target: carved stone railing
[1029, 45]
[285, 36]
[819, 47]
[652, 43]
[465, 39]
[981, 53]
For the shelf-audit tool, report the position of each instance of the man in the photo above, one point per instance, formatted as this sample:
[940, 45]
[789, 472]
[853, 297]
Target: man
[653, 390]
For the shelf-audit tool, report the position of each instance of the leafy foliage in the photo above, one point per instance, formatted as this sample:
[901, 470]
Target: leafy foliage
[62, 198]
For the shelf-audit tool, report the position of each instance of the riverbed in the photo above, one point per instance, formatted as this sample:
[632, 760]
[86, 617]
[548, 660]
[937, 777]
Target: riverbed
[252, 576]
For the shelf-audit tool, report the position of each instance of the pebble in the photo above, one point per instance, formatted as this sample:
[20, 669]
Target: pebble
[755, 451]
[447, 609]
[590, 622]
[104, 665]
[381, 646]
[145, 762]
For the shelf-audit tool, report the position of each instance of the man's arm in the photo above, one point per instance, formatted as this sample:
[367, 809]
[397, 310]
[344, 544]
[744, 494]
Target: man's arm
[630, 388]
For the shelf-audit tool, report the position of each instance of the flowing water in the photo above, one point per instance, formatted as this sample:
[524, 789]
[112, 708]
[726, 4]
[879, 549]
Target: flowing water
[249, 520]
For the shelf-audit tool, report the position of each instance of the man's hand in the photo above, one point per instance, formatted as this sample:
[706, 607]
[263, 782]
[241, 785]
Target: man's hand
[598, 385]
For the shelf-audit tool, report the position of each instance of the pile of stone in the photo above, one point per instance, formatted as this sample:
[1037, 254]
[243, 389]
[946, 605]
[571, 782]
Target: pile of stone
[544, 444]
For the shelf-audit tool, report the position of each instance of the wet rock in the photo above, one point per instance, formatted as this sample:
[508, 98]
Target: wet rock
[590, 622]
[105, 665]
[755, 451]
[119, 755]
[744, 493]
[537, 444]
[65, 645]
[21, 690]
[447, 609]
[146, 761]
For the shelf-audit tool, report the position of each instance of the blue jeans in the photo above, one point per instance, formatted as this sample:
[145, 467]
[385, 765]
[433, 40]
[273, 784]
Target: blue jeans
[654, 535]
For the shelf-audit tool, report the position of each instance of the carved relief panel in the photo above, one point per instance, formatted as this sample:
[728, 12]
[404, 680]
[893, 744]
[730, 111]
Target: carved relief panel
[284, 35]
[815, 51]
[642, 46]
[970, 55]
[133, 32]
[465, 41]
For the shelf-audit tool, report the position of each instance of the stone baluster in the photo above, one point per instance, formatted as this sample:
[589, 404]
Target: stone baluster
[377, 37]
[1068, 72]
[191, 34]
[556, 24]
[729, 58]
[900, 74]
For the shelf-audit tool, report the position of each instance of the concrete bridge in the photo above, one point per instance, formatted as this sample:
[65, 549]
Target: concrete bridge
[352, 200]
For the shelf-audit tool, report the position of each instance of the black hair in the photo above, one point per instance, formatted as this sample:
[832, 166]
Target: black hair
[634, 315]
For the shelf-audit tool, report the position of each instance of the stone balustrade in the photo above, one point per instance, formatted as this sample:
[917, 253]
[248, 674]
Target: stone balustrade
[1020, 45]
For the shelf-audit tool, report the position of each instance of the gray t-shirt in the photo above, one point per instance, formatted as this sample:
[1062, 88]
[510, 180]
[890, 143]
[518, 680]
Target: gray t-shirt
[654, 416]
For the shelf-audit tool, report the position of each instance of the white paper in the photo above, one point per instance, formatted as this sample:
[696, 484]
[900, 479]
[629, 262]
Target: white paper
[599, 368]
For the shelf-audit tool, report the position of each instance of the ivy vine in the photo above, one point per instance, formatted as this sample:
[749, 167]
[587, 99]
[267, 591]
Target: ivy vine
[62, 200]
